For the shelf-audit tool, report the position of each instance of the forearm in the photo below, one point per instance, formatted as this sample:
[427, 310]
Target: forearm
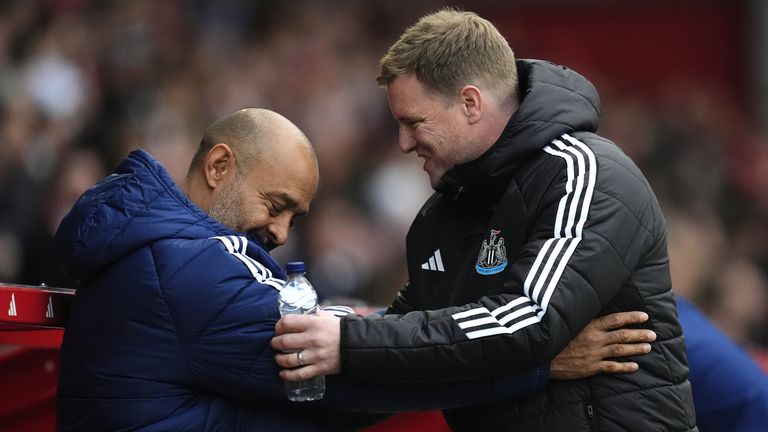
[356, 396]
[428, 347]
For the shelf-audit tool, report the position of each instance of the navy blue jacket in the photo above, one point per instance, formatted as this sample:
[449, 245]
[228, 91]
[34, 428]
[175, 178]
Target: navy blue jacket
[171, 324]
[729, 390]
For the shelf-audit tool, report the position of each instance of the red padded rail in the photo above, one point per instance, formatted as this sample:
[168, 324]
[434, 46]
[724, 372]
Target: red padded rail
[34, 306]
[33, 316]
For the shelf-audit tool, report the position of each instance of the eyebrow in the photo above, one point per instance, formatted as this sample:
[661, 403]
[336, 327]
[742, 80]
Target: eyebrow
[407, 119]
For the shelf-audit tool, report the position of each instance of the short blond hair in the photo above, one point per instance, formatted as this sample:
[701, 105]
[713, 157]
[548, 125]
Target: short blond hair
[449, 49]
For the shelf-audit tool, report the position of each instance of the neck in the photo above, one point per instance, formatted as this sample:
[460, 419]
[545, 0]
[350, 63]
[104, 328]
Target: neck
[196, 190]
[497, 119]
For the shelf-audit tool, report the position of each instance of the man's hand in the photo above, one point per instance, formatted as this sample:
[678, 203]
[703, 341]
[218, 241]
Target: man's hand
[317, 337]
[603, 338]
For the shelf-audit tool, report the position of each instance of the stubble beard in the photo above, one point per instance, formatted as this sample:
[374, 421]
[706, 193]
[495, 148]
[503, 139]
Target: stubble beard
[226, 208]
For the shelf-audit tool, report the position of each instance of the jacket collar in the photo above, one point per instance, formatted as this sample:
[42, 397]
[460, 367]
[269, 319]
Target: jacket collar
[553, 100]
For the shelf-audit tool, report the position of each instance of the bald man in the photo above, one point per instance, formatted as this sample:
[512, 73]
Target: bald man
[177, 300]
[276, 180]
[177, 303]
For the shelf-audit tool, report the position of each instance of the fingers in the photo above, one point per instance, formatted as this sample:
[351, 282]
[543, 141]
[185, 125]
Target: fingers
[293, 324]
[317, 337]
[302, 373]
[290, 342]
[616, 367]
[620, 319]
[311, 365]
[625, 350]
[290, 360]
[630, 336]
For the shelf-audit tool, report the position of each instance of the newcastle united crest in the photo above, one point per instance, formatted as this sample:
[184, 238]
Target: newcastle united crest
[493, 255]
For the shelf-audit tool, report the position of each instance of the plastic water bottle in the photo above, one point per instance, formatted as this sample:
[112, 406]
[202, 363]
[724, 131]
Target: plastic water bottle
[299, 297]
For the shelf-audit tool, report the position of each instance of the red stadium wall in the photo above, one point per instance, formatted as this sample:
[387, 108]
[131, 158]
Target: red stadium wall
[635, 44]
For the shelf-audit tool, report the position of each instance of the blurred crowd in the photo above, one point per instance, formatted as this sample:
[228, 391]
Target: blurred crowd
[82, 83]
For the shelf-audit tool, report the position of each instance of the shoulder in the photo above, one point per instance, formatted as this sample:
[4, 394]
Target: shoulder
[598, 165]
[612, 164]
[203, 281]
[215, 259]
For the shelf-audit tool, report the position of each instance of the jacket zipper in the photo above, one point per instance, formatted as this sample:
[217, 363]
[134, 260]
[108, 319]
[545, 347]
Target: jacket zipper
[466, 268]
[593, 425]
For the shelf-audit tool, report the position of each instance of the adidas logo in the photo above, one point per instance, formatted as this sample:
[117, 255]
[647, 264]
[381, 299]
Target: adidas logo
[49, 311]
[435, 262]
[12, 308]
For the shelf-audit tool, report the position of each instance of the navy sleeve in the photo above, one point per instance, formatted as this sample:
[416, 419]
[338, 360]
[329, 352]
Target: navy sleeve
[225, 319]
[730, 392]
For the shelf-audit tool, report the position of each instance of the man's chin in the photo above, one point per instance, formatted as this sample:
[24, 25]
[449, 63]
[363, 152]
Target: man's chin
[254, 236]
[435, 182]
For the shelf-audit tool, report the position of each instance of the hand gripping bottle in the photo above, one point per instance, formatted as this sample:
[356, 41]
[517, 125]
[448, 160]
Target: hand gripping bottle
[299, 297]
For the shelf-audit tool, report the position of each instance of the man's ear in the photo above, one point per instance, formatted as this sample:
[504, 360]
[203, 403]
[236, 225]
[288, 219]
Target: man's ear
[219, 165]
[472, 103]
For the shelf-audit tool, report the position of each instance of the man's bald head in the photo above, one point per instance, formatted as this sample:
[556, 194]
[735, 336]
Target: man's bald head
[250, 133]
[254, 172]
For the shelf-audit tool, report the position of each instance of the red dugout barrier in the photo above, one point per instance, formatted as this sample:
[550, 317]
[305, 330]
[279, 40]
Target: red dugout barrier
[32, 319]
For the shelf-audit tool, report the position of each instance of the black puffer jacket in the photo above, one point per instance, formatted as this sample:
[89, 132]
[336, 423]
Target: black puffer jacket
[517, 252]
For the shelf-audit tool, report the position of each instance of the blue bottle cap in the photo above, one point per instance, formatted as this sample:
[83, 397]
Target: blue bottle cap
[295, 267]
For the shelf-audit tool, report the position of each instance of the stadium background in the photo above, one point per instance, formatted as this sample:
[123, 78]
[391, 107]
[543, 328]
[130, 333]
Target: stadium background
[684, 86]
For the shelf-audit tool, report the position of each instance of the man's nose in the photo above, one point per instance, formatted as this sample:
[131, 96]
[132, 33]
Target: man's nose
[278, 231]
[406, 140]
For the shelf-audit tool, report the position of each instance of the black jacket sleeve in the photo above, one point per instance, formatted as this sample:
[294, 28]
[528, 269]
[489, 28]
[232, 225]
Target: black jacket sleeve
[356, 396]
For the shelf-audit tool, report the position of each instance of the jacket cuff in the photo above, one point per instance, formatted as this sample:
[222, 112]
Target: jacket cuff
[343, 343]
[542, 376]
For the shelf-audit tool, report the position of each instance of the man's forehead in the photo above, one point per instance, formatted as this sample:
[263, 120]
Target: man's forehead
[406, 93]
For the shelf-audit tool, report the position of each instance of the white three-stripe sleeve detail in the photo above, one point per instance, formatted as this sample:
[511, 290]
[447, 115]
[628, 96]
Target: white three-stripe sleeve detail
[535, 268]
[516, 302]
[227, 243]
[258, 270]
[235, 243]
[573, 212]
[477, 322]
[567, 233]
[266, 274]
[467, 313]
[558, 272]
[568, 188]
[590, 183]
[250, 266]
[530, 308]
[548, 267]
[580, 210]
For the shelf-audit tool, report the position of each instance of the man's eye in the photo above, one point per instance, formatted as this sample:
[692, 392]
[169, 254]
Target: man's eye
[275, 210]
